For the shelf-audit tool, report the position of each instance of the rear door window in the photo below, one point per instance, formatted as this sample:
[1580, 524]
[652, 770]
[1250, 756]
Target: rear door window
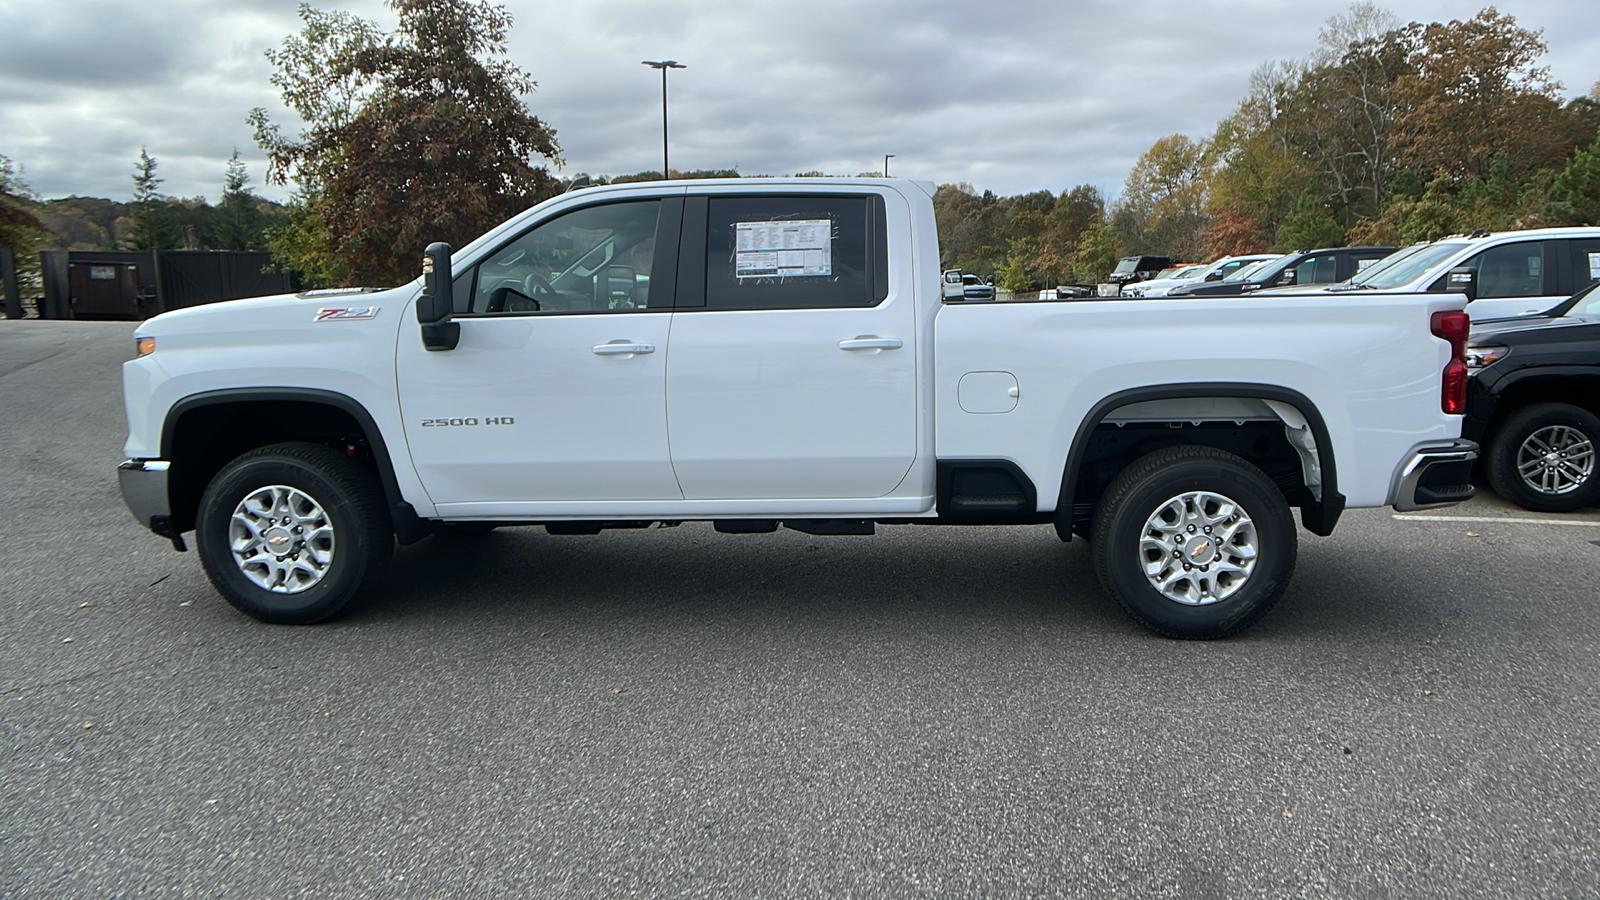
[793, 252]
[1322, 269]
[1585, 264]
[1510, 270]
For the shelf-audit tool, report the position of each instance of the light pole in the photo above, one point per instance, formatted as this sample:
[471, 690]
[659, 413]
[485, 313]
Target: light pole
[664, 65]
[886, 158]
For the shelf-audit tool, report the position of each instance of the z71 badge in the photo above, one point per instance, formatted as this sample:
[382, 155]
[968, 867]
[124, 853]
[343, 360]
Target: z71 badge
[345, 312]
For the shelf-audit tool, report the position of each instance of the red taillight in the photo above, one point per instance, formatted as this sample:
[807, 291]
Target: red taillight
[1453, 326]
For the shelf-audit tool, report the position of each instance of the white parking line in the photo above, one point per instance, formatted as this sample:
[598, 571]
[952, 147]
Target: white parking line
[1511, 519]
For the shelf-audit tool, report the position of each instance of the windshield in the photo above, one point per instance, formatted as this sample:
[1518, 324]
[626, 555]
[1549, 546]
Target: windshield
[1131, 264]
[1246, 273]
[1584, 303]
[1407, 266]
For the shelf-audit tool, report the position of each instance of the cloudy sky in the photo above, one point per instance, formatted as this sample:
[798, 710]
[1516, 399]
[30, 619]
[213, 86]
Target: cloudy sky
[1008, 95]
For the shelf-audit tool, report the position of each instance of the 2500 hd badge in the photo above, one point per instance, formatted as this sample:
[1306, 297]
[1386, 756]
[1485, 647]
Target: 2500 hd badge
[458, 423]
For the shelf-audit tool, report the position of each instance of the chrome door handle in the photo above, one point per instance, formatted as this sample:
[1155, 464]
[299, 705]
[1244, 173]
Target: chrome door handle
[871, 342]
[622, 348]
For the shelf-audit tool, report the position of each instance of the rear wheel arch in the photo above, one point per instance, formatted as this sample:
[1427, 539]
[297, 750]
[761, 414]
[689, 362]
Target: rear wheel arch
[1319, 514]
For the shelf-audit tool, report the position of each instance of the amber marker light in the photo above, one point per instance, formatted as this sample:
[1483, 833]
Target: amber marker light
[145, 346]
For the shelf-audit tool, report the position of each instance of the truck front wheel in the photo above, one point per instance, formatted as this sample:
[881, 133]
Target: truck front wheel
[1194, 542]
[292, 533]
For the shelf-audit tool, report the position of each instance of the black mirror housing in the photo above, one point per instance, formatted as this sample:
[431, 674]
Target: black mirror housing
[433, 307]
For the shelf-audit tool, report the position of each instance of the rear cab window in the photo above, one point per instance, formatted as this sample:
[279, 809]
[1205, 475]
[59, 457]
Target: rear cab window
[784, 252]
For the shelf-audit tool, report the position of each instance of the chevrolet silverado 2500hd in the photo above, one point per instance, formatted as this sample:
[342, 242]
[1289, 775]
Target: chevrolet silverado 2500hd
[757, 353]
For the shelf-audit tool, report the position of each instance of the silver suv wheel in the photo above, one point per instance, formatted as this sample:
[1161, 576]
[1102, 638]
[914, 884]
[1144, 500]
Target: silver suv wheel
[1556, 459]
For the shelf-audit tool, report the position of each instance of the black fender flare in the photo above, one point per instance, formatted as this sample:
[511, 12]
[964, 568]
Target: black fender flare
[408, 526]
[1319, 517]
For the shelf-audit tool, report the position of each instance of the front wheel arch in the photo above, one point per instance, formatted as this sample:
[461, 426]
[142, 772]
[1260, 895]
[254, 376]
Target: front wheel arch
[204, 432]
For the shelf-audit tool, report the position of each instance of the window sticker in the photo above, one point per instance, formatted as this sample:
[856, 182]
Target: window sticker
[1533, 266]
[1361, 264]
[102, 273]
[1594, 266]
[783, 249]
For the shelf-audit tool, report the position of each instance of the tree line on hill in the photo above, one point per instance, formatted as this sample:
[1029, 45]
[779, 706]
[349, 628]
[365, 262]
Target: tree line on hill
[1387, 133]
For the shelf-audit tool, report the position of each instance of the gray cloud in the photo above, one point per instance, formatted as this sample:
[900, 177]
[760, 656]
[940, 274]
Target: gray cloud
[1009, 95]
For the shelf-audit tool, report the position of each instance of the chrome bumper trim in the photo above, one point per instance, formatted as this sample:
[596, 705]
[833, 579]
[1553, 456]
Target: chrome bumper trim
[144, 488]
[1424, 459]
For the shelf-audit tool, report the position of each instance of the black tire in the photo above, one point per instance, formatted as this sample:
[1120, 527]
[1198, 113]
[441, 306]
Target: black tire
[348, 496]
[1143, 489]
[1506, 446]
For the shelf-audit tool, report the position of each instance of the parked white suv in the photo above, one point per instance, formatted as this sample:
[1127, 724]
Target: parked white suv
[1222, 268]
[1519, 273]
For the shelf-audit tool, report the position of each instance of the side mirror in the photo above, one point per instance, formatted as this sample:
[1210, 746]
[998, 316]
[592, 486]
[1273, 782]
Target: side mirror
[1462, 280]
[433, 307]
[1289, 276]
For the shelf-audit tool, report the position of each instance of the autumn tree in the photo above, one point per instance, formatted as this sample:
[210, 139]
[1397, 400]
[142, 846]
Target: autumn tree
[1258, 168]
[1162, 209]
[1075, 211]
[410, 137]
[1342, 112]
[1475, 88]
[21, 229]
[1097, 253]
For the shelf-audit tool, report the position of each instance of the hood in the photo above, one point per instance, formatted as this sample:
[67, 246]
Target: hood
[314, 305]
[1496, 330]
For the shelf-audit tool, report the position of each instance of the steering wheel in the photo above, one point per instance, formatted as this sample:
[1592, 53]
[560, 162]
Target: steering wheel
[537, 284]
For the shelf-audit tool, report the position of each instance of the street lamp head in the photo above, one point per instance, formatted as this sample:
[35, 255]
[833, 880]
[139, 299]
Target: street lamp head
[663, 64]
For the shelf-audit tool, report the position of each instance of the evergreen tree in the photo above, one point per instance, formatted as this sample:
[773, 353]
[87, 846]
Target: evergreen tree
[238, 219]
[1309, 227]
[152, 225]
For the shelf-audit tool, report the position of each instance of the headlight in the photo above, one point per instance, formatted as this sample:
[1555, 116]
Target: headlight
[144, 346]
[1488, 355]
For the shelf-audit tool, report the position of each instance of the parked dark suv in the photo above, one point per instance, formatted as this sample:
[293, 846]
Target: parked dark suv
[1324, 266]
[1139, 268]
[1533, 403]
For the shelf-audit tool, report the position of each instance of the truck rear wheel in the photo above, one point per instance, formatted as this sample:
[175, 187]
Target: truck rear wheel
[1194, 542]
[291, 533]
[1543, 458]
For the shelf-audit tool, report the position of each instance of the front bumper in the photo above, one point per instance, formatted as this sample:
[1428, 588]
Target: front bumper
[1437, 475]
[144, 489]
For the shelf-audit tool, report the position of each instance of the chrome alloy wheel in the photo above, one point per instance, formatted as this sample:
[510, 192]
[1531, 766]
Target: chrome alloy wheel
[1199, 548]
[1556, 459]
[281, 539]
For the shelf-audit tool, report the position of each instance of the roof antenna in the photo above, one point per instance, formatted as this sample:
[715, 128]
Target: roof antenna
[579, 183]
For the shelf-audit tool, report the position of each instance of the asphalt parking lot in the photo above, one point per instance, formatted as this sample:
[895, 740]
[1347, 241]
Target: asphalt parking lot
[925, 712]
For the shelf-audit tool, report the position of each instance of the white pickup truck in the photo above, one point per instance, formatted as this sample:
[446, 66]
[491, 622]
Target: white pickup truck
[780, 351]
